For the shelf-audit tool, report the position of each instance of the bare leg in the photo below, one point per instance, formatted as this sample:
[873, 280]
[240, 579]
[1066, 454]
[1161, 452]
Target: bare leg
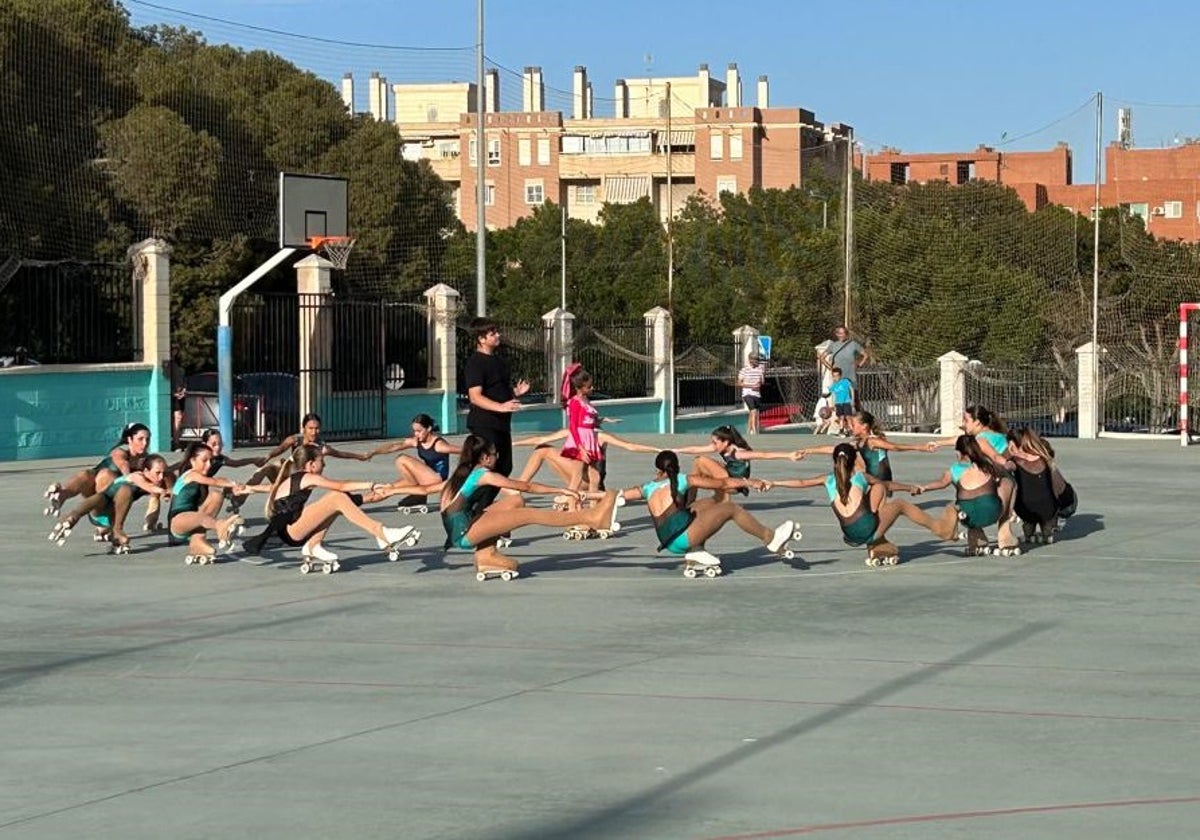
[122, 503]
[83, 483]
[414, 471]
[711, 469]
[1006, 490]
[319, 515]
[711, 518]
[197, 522]
[547, 455]
[943, 527]
[500, 519]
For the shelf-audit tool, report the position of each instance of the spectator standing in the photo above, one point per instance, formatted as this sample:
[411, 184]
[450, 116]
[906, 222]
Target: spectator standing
[750, 380]
[492, 396]
[841, 391]
[845, 353]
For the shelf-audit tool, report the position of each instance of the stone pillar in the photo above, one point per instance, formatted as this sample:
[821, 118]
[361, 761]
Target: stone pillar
[316, 335]
[442, 305]
[745, 341]
[1089, 392]
[152, 271]
[559, 327]
[952, 391]
[662, 351]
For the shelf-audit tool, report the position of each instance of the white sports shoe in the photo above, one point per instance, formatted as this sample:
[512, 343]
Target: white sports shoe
[318, 552]
[391, 536]
[702, 558]
[782, 535]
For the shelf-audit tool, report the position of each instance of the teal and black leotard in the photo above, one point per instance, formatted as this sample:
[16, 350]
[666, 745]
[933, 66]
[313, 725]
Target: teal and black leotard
[107, 462]
[980, 506]
[462, 511]
[671, 525]
[215, 464]
[876, 461]
[103, 517]
[859, 527]
[186, 497]
[997, 440]
[736, 467]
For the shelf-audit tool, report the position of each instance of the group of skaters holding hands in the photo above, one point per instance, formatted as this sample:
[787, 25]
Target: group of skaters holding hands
[999, 476]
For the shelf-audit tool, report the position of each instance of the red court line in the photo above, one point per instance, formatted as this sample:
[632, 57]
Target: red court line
[960, 815]
[832, 704]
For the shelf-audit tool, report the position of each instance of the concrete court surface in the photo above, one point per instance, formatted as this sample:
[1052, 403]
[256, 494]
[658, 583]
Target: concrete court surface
[603, 695]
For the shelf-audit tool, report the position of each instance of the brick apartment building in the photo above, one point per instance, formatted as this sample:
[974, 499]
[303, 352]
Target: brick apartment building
[666, 139]
[1162, 186]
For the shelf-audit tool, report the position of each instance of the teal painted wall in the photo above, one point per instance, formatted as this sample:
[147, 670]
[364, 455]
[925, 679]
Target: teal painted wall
[67, 411]
[403, 406]
[700, 424]
[353, 410]
[636, 416]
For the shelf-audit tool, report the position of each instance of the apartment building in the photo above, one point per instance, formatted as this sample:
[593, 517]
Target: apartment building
[664, 139]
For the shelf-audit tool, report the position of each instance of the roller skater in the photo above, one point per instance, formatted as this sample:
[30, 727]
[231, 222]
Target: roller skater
[873, 446]
[187, 522]
[861, 505]
[301, 524]
[1045, 499]
[735, 455]
[125, 456]
[471, 526]
[684, 523]
[430, 466]
[983, 494]
[107, 509]
[216, 495]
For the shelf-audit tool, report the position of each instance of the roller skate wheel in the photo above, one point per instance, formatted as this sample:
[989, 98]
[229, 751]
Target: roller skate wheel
[507, 575]
[712, 572]
[481, 576]
[567, 536]
[189, 560]
[423, 509]
[404, 511]
[327, 568]
[788, 554]
[411, 541]
[393, 555]
[872, 562]
[336, 565]
[797, 536]
[604, 534]
[962, 516]
[503, 542]
[689, 572]
[305, 567]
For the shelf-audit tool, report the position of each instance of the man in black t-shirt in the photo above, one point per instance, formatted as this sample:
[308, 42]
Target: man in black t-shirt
[492, 395]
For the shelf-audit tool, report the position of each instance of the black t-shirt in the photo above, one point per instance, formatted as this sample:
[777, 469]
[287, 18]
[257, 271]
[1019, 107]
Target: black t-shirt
[490, 372]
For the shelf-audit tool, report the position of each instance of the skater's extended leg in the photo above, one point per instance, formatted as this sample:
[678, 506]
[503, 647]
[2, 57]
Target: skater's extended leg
[712, 517]
[122, 502]
[320, 514]
[498, 521]
[711, 469]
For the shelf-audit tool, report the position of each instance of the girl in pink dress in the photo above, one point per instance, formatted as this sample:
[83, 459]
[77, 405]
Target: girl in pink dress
[583, 441]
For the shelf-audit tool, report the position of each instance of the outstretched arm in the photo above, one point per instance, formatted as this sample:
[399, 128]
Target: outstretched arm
[628, 446]
[494, 479]
[941, 484]
[705, 482]
[394, 446]
[541, 440]
[800, 483]
[330, 452]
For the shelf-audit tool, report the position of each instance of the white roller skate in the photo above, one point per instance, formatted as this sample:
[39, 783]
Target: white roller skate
[53, 497]
[119, 548]
[701, 562]
[412, 504]
[318, 556]
[783, 535]
[882, 553]
[226, 543]
[100, 535]
[60, 532]
[503, 542]
[201, 559]
[393, 538]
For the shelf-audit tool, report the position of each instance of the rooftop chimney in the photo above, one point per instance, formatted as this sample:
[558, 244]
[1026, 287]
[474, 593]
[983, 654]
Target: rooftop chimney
[491, 91]
[621, 98]
[348, 91]
[764, 98]
[733, 86]
[579, 93]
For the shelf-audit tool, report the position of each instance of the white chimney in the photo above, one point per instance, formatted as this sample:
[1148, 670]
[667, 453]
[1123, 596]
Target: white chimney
[579, 93]
[539, 91]
[704, 85]
[533, 93]
[733, 86]
[491, 90]
[590, 103]
[375, 96]
[348, 91]
[764, 99]
[621, 99]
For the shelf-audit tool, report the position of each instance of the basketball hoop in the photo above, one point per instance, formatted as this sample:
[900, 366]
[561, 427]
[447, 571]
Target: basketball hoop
[336, 249]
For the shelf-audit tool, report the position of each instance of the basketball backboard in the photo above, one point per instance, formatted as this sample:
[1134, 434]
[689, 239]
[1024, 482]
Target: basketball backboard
[311, 205]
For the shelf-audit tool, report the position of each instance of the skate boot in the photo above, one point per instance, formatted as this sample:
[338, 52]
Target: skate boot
[53, 497]
[412, 504]
[783, 535]
[496, 565]
[701, 562]
[60, 532]
[100, 535]
[393, 538]
[314, 556]
[882, 553]
[229, 529]
[118, 545]
[977, 544]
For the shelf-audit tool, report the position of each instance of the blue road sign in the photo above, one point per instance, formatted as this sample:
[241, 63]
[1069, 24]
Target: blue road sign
[764, 347]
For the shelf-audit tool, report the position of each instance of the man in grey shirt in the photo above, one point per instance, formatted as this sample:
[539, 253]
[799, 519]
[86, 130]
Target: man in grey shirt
[845, 353]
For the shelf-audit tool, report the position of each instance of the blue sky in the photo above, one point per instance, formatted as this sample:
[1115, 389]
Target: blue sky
[919, 75]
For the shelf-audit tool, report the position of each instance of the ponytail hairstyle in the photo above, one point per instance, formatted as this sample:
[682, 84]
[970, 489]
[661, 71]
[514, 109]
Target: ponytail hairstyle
[573, 378]
[425, 422]
[1033, 443]
[302, 455]
[728, 434]
[968, 447]
[474, 448]
[668, 462]
[132, 429]
[844, 456]
[868, 419]
[986, 418]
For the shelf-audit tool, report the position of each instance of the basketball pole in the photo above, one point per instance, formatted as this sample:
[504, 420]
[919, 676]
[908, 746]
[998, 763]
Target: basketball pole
[480, 172]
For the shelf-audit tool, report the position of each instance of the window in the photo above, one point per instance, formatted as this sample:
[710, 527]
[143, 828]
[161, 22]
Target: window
[1174, 209]
[726, 184]
[716, 146]
[899, 173]
[535, 193]
[966, 171]
[524, 151]
[494, 152]
[447, 149]
[1142, 210]
[543, 149]
[489, 197]
[572, 144]
[472, 152]
[735, 146]
[585, 193]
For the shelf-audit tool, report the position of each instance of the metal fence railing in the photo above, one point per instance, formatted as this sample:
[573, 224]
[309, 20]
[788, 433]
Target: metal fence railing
[617, 356]
[526, 349]
[70, 312]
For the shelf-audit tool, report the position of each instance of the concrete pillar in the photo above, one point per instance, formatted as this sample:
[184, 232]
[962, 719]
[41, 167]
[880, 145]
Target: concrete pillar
[442, 303]
[348, 91]
[764, 93]
[733, 86]
[316, 334]
[377, 96]
[533, 91]
[745, 340]
[1089, 392]
[579, 93]
[560, 350]
[952, 391]
[152, 272]
[620, 99]
[662, 351]
[589, 103]
[703, 80]
[491, 91]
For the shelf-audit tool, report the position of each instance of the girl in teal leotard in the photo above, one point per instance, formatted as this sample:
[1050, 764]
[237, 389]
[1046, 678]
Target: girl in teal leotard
[732, 458]
[121, 459]
[108, 508]
[983, 497]
[470, 526]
